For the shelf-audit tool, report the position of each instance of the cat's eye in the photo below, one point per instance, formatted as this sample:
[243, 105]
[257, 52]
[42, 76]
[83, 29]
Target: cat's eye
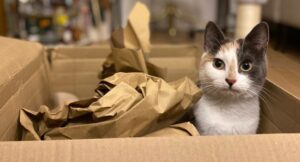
[246, 66]
[218, 64]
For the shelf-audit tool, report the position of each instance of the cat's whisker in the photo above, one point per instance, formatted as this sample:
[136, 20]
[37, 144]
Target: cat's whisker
[266, 97]
[266, 103]
[208, 88]
[267, 93]
[265, 100]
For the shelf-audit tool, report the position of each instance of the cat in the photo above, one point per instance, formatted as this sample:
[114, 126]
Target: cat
[232, 74]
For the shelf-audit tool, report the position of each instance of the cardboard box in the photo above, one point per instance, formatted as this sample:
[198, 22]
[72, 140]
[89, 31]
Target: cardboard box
[76, 69]
[28, 77]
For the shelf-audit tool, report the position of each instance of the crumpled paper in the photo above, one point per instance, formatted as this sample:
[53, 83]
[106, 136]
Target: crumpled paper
[176, 130]
[125, 105]
[130, 46]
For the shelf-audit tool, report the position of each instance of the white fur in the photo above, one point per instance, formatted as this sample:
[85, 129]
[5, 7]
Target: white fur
[224, 111]
[226, 117]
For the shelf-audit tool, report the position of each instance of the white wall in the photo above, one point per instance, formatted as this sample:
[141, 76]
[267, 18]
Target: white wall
[201, 11]
[126, 6]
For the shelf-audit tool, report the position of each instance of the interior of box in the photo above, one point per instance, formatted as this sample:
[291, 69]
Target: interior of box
[276, 116]
[75, 69]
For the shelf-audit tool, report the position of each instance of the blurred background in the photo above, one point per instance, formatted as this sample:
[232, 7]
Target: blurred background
[53, 22]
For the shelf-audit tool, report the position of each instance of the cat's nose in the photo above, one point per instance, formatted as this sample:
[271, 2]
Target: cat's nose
[230, 81]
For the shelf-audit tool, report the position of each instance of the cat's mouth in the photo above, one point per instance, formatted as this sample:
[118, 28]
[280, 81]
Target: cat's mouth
[231, 90]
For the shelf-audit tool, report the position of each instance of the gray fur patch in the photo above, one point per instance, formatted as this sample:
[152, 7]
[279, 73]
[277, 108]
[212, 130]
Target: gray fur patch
[258, 59]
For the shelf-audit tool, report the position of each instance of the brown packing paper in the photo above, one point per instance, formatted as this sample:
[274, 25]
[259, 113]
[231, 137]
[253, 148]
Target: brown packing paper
[130, 46]
[139, 22]
[128, 60]
[136, 35]
[182, 129]
[129, 105]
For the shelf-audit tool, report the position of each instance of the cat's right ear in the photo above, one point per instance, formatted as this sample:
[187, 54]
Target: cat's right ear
[213, 37]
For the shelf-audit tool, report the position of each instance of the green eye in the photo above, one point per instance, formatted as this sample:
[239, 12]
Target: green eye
[218, 64]
[246, 66]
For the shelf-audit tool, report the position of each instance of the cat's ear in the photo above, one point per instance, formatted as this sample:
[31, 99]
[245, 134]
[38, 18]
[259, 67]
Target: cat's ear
[213, 37]
[258, 37]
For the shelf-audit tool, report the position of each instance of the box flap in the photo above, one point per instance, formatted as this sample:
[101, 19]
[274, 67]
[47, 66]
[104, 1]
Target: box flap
[16, 56]
[80, 52]
[280, 97]
[273, 148]
[283, 72]
[23, 82]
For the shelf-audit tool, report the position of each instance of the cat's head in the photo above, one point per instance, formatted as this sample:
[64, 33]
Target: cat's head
[234, 68]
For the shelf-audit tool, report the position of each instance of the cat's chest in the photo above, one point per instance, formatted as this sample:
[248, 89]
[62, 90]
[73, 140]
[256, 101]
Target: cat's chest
[227, 117]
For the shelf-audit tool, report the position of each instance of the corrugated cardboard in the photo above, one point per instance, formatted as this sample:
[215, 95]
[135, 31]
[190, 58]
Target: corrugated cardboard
[75, 69]
[256, 148]
[182, 129]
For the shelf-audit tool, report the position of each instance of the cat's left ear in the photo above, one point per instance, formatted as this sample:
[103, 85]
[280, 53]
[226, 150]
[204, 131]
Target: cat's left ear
[258, 37]
[213, 38]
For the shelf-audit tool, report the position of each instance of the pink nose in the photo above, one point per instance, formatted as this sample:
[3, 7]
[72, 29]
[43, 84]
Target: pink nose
[230, 81]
